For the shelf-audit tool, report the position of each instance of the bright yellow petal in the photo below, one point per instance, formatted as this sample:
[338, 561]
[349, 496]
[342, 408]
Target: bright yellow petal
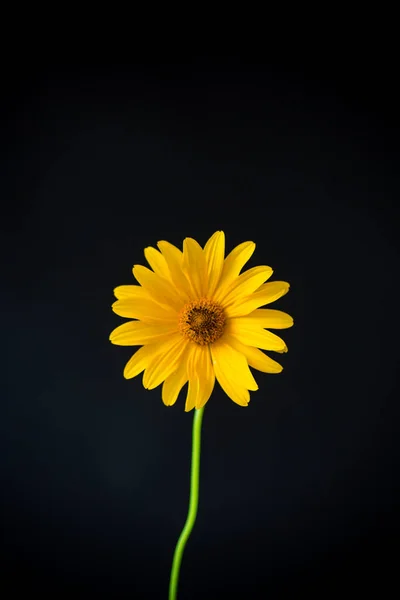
[192, 394]
[174, 383]
[255, 357]
[214, 252]
[160, 289]
[233, 264]
[194, 381]
[174, 258]
[237, 365]
[157, 262]
[136, 333]
[271, 319]
[267, 293]
[131, 291]
[194, 266]
[207, 378]
[250, 334]
[244, 285]
[226, 376]
[201, 378]
[165, 362]
[139, 361]
[144, 309]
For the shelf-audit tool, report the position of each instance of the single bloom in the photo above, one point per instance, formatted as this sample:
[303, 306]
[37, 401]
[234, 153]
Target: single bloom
[197, 318]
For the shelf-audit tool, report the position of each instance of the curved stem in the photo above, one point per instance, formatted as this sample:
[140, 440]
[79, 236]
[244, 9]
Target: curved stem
[193, 504]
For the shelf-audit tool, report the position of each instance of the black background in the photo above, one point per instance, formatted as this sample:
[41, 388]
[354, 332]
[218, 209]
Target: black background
[299, 491]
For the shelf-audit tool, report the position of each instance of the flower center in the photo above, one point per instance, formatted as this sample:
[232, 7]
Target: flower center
[202, 321]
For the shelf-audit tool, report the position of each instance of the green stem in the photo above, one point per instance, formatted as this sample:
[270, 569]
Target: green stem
[193, 504]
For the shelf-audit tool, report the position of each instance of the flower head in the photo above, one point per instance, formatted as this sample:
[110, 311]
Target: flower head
[197, 318]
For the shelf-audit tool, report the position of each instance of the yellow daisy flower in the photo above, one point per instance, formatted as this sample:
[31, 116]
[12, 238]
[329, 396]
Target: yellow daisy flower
[198, 318]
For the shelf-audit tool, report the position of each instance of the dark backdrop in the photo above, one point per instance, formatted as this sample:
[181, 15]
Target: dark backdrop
[299, 491]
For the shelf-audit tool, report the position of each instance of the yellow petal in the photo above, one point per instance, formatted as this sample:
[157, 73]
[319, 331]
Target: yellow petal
[131, 291]
[157, 262]
[192, 394]
[174, 258]
[201, 377]
[237, 364]
[226, 376]
[136, 333]
[144, 309]
[165, 362]
[250, 334]
[174, 383]
[272, 319]
[139, 361]
[255, 357]
[233, 264]
[245, 285]
[194, 381]
[214, 252]
[194, 266]
[207, 377]
[160, 289]
[267, 293]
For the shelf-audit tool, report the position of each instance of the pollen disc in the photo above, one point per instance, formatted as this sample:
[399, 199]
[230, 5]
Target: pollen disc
[202, 321]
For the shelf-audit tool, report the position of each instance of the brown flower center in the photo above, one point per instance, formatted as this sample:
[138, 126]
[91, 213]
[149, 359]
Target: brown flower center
[202, 321]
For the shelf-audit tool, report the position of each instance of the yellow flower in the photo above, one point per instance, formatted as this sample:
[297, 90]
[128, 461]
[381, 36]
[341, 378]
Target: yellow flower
[197, 318]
